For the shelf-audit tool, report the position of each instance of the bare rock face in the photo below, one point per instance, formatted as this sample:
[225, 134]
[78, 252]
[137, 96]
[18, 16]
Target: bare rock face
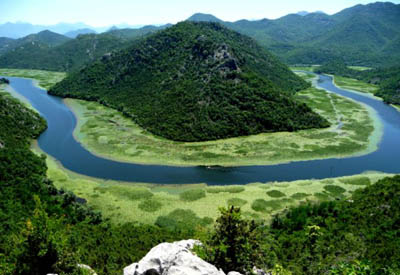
[173, 259]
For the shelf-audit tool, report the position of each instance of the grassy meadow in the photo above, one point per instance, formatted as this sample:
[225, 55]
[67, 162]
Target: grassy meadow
[45, 79]
[355, 85]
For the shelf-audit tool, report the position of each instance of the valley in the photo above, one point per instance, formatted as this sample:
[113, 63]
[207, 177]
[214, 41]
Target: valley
[209, 145]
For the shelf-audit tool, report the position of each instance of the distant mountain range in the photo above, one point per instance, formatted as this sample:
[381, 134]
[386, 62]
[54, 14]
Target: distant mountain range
[363, 34]
[360, 35]
[51, 51]
[21, 29]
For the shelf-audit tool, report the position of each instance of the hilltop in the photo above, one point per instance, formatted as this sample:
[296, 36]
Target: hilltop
[194, 82]
[68, 54]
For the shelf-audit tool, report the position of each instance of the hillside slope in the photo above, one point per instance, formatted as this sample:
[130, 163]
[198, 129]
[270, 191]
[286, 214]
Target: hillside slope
[196, 81]
[362, 34]
[72, 54]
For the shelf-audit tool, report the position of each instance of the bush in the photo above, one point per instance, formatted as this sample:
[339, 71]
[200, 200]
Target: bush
[356, 181]
[335, 190]
[235, 244]
[275, 194]
[236, 202]
[261, 205]
[299, 196]
[182, 219]
[150, 205]
[192, 195]
[225, 189]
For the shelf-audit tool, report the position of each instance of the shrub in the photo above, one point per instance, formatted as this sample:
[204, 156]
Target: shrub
[235, 244]
[182, 219]
[192, 195]
[236, 202]
[261, 205]
[356, 181]
[299, 196]
[225, 189]
[150, 205]
[335, 190]
[275, 194]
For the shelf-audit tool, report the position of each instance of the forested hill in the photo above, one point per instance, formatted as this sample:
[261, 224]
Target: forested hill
[363, 34]
[67, 56]
[196, 81]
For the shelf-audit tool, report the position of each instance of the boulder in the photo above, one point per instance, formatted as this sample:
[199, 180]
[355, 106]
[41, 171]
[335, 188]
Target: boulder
[172, 259]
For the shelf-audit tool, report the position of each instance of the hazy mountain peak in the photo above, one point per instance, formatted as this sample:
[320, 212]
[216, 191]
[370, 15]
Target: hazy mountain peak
[203, 17]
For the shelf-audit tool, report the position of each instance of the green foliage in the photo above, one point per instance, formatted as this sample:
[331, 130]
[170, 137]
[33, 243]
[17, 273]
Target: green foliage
[299, 196]
[4, 81]
[237, 202]
[183, 220]
[276, 194]
[334, 189]
[225, 189]
[236, 244]
[150, 205]
[196, 82]
[315, 239]
[192, 195]
[357, 181]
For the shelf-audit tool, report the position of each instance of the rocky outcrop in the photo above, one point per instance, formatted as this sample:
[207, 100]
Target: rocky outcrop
[173, 259]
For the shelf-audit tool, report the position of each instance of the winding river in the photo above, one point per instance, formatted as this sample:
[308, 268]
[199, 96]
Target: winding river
[58, 141]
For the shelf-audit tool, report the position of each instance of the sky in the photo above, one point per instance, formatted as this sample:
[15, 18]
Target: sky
[99, 13]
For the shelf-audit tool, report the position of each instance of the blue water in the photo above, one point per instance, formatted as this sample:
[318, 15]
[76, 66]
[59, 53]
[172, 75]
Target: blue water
[59, 142]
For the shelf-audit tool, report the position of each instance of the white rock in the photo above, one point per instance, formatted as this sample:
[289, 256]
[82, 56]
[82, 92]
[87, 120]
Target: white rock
[234, 273]
[172, 259]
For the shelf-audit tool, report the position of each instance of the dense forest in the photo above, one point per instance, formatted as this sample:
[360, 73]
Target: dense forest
[388, 79]
[196, 81]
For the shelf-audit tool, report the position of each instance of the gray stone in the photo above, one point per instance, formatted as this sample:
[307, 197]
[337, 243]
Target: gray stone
[172, 259]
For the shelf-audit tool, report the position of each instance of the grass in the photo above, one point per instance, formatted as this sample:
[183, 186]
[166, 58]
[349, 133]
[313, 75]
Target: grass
[350, 134]
[355, 85]
[360, 68]
[45, 79]
[163, 204]
[276, 194]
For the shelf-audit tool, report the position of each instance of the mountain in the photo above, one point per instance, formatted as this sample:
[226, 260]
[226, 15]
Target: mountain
[75, 33]
[362, 34]
[202, 17]
[72, 54]
[20, 29]
[196, 81]
[43, 38]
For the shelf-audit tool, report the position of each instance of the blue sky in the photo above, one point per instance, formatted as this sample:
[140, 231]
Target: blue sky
[108, 12]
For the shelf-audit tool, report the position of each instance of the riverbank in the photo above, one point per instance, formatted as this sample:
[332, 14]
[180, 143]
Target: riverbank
[42, 79]
[194, 203]
[354, 131]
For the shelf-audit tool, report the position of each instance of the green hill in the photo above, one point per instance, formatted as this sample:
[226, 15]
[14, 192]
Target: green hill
[196, 81]
[72, 54]
[359, 35]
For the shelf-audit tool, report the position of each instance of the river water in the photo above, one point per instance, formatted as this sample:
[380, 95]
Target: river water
[58, 141]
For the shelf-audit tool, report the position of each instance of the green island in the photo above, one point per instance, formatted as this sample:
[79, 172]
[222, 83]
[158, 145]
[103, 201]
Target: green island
[354, 130]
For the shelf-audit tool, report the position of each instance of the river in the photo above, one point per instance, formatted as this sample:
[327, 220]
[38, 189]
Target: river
[58, 141]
